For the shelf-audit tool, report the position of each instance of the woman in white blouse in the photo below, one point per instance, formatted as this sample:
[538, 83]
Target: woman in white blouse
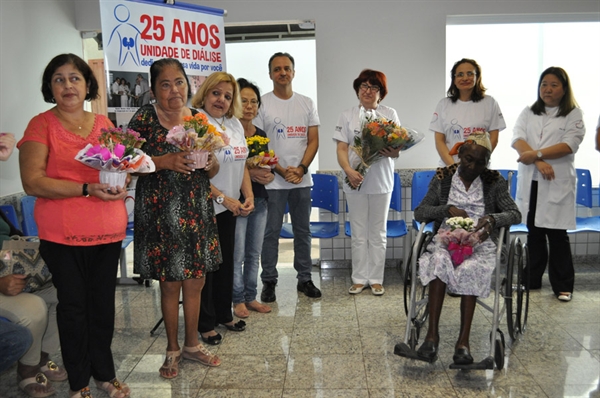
[547, 135]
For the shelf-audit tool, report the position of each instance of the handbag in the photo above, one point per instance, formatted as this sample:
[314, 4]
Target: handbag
[21, 255]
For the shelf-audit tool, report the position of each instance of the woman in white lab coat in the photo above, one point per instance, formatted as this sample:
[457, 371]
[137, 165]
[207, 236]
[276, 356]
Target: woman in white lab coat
[547, 135]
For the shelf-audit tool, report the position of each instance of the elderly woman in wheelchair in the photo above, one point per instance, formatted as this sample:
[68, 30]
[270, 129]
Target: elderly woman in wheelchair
[465, 189]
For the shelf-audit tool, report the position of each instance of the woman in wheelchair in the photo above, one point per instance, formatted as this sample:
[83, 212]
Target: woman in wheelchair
[465, 189]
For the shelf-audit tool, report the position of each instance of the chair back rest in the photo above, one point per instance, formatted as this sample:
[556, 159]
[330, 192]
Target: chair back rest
[420, 185]
[10, 213]
[511, 177]
[325, 192]
[584, 188]
[29, 225]
[396, 199]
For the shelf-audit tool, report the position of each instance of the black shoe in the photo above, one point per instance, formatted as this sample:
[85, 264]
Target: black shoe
[268, 292]
[212, 340]
[309, 289]
[428, 351]
[462, 356]
[236, 327]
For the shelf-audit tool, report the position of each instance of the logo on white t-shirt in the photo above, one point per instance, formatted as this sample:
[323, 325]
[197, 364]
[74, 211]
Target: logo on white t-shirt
[227, 155]
[456, 128]
[279, 128]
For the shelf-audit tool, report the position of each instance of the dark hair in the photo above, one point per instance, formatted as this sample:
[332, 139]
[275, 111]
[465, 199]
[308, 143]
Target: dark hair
[567, 102]
[478, 91]
[157, 67]
[280, 54]
[373, 77]
[80, 65]
[243, 83]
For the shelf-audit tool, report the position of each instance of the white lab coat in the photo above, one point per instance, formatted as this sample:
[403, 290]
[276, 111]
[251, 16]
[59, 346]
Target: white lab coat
[556, 198]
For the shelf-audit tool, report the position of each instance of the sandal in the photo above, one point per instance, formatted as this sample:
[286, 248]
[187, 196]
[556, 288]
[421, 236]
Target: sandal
[170, 368]
[53, 372]
[28, 386]
[114, 388]
[83, 393]
[191, 353]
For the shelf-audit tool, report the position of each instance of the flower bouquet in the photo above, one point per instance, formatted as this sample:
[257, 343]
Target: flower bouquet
[197, 136]
[116, 155]
[459, 238]
[258, 153]
[378, 133]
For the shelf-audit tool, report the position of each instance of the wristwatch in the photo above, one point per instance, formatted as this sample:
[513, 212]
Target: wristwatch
[539, 155]
[219, 199]
[84, 190]
[304, 168]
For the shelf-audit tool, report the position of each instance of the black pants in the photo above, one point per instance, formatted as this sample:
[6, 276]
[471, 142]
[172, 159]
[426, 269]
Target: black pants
[560, 263]
[85, 279]
[217, 294]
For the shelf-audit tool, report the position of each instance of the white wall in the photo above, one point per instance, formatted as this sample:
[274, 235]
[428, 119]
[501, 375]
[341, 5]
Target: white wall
[404, 39]
[31, 34]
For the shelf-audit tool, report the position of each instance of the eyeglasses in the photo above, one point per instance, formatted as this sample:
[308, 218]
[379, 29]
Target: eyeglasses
[365, 87]
[468, 74]
[252, 102]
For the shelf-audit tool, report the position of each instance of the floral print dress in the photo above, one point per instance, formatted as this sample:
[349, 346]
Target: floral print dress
[176, 235]
[474, 276]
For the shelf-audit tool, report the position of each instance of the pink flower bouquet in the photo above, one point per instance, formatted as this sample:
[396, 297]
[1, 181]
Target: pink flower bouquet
[458, 238]
[197, 136]
[118, 151]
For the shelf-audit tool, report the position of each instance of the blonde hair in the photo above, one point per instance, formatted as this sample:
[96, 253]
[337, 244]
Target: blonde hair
[235, 109]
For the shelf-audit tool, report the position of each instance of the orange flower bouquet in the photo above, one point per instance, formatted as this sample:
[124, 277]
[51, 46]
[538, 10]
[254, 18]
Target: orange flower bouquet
[378, 133]
[198, 136]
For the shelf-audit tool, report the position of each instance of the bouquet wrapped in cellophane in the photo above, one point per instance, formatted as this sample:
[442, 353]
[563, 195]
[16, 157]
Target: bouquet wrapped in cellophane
[259, 154]
[378, 133]
[197, 136]
[118, 151]
[458, 237]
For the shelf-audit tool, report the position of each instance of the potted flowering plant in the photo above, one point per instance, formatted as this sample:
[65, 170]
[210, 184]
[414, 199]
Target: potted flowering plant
[259, 154]
[116, 155]
[197, 136]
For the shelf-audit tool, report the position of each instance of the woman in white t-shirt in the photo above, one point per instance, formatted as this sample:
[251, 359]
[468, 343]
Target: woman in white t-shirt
[231, 188]
[547, 135]
[465, 111]
[368, 206]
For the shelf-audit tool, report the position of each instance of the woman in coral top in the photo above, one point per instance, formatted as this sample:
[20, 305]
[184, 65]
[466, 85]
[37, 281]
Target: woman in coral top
[81, 223]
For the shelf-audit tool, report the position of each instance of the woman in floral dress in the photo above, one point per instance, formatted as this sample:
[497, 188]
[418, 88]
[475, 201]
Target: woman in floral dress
[175, 238]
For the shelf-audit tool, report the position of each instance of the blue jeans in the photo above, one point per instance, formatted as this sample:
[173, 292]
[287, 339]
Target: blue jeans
[300, 205]
[249, 235]
[14, 342]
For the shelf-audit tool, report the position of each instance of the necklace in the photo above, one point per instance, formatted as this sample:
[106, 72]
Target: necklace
[221, 123]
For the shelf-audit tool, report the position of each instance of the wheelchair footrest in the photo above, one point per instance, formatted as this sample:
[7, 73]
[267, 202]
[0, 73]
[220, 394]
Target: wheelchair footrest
[487, 363]
[403, 350]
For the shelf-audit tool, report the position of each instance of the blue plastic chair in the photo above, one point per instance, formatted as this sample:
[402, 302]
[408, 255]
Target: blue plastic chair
[420, 186]
[511, 177]
[10, 213]
[325, 195]
[584, 198]
[395, 228]
[29, 226]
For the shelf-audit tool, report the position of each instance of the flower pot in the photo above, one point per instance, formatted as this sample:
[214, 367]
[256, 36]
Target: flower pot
[200, 157]
[113, 178]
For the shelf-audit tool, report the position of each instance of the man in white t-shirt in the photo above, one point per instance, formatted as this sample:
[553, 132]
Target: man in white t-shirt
[292, 124]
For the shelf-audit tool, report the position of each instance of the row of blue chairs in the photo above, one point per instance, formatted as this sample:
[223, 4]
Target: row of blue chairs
[28, 226]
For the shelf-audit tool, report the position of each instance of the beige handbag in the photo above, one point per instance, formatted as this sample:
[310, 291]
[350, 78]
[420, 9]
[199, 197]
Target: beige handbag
[21, 255]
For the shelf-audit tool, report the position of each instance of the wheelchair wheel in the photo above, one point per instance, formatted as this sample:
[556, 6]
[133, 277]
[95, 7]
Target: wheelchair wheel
[517, 291]
[421, 312]
[499, 349]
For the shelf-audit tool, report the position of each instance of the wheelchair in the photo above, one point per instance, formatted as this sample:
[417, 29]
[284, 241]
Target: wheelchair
[511, 298]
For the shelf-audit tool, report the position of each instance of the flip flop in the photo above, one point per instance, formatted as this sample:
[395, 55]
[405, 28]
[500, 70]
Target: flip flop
[170, 368]
[28, 386]
[53, 372]
[192, 354]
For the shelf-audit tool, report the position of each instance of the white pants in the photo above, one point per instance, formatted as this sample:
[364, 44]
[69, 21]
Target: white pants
[368, 220]
[37, 312]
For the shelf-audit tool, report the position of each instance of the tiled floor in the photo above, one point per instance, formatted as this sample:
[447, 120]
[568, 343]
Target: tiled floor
[342, 346]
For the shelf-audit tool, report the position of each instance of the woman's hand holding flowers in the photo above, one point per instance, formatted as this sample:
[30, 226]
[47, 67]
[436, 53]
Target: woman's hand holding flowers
[390, 152]
[486, 226]
[354, 177]
[456, 212]
[176, 161]
[261, 176]
[104, 192]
